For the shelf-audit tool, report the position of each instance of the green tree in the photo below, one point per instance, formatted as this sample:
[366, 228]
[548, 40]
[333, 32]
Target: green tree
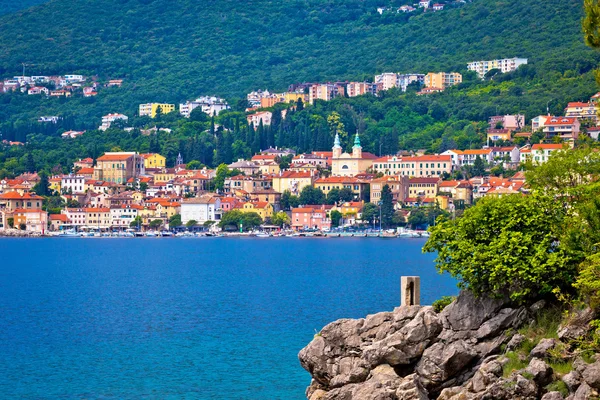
[387, 206]
[370, 212]
[156, 223]
[191, 223]
[335, 217]
[175, 221]
[42, 187]
[417, 218]
[312, 196]
[280, 219]
[232, 220]
[137, 221]
[478, 168]
[505, 246]
[333, 196]
[346, 194]
[194, 165]
[10, 221]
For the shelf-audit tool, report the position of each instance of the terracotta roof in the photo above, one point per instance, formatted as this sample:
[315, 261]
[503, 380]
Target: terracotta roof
[17, 196]
[294, 174]
[423, 180]
[427, 158]
[59, 217]
[30, 210]
[115, 157]
[547, 146]
[561, 121]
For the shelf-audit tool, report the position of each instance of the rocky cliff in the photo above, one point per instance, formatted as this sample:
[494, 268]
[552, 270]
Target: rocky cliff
[416, 353]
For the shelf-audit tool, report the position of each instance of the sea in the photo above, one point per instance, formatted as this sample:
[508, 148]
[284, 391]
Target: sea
[177, 318]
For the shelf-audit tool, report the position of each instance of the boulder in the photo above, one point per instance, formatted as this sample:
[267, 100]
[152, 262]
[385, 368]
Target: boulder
[577, 326]
[468, 313]
[515, 342]
[411, 389]
[584, 392]
[553, 396]
[541, 350]
[541, 372]
[591, 375]
[443, 361]
[572, 380]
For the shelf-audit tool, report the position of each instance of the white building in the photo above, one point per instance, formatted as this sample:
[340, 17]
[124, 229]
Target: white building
[209, 105]
[201, 209]
[386, 81]
[73, 184]
[74, 78]
[504, 65]
[110, 118]
[123, 216]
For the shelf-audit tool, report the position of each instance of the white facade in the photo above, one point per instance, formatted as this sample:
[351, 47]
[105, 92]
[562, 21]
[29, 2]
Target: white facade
[387, 80]
[74, 184]
[201, 209]
[123, 216]
[209, 105]
[504, 65]
[110, 118]
[74, 78]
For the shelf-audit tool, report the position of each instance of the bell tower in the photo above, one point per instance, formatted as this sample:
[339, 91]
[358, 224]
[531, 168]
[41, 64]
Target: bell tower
[357, 148]
[337, 148]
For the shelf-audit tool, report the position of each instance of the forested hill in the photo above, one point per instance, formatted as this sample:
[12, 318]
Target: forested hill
[182, 48]
[10, 6]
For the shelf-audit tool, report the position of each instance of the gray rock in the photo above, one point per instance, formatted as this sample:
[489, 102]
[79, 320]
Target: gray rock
[443, 361]
[499, 322]
[515, 342]
[411, 389]
[591, 375]
[541, 350]
[577, 326]
[572, 380]
[468, 312]
[584, 392]
[537, 306]
[553, 396]
[542, 372]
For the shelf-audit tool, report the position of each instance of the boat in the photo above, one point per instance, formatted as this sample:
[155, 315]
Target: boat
[262, 235]
[151, 234]
[166, 234]
[68, 233]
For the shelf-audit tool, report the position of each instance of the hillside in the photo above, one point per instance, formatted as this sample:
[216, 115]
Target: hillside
[10, 6]
[228, 47]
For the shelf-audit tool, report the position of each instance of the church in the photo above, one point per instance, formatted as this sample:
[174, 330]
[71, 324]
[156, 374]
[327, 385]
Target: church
[344, 164]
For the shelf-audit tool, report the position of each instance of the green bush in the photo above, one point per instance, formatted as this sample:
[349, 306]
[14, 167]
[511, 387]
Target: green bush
[440, 304]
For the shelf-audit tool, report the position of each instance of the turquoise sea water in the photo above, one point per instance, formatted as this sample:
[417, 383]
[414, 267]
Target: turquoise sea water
[213, 318]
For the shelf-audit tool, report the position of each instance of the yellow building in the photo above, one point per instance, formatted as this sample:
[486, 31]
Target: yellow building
[154, 160]
[262, 208]
[118, 167]
[149, 109]
[269, 168]
[292, 181]
[293, 97]
[442, 80]
[165, 175]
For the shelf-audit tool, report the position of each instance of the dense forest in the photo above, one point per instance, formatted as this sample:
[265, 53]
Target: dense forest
[229, 48]
[10, 6]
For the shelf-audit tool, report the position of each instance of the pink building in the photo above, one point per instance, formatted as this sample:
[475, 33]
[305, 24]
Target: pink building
[310, 217]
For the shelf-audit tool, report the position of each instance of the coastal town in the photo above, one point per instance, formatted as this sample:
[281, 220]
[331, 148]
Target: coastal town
[127, 193]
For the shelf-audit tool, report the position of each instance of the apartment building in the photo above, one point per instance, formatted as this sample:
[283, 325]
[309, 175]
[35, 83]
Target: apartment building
[442, 80]
[150, 109]
[504, 65]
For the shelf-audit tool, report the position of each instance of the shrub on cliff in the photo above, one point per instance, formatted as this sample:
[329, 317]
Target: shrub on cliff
[507, 245]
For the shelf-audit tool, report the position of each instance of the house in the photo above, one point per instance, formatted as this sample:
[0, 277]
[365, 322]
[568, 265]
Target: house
[504, 65]
[201, 209]
[154, 160]
[509, 121]
[581, 110]
[508, 154]
[426, 166]
[32, 219]
[423, 187]
[429, 90]
[357, 186]
[151, 109]
[262, 116]
[540, 153]
[311, 217]
[567, 128]
[469, 156]
[115, 82]
[247, 167]
[438, 7]
[71, 134]
[459, 191]
[108, 119]
[248, 184]
[292, 181]
[269, 168]
[38, 90]
[73, 184]
[89, 91]
[24, 208]
[398, 185]
[267, 195]
[209, 105]
[121, 216]
[58, 221]
[278, 152]
[424, 4]
[261, 159]
[388, 165]
[118, 167]
[311, 159]
[262, 208]
[442, 80]
[345, 164]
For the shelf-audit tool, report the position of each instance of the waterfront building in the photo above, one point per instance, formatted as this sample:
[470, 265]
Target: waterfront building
[201, 209]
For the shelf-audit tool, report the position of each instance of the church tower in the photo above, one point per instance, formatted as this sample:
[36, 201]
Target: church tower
[357, 148]
[337, 148]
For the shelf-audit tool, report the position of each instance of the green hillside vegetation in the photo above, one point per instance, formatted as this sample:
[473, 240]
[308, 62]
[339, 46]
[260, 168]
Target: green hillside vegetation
[228, 48]
[10, 6]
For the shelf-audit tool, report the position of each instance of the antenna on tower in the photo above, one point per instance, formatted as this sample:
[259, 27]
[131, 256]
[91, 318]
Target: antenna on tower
[26, 65]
